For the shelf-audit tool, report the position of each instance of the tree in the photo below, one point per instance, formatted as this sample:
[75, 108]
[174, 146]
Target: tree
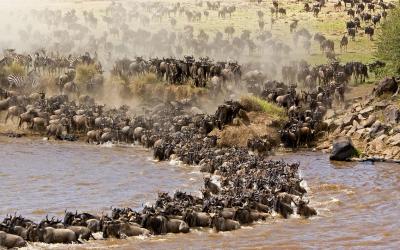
[388, 44]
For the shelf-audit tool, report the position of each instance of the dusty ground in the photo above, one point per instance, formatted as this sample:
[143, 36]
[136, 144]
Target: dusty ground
[261, 125]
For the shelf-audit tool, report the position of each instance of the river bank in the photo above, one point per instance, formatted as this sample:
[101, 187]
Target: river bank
[371, 121]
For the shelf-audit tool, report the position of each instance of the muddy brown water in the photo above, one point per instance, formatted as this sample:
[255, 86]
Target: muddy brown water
[358, 203]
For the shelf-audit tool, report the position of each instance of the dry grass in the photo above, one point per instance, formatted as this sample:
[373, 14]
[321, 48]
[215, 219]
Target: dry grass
[261, 126]
[149, 78]
[48, 85]
[14, 69]
[85, 72]
[149, 87]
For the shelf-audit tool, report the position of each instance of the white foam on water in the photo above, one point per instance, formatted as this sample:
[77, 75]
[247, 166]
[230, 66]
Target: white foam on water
[175, 162]
[334, 200]
[41, 245]
[107, 145]
[142, 237]
[151, 159]
[98, 235]
[294, 216]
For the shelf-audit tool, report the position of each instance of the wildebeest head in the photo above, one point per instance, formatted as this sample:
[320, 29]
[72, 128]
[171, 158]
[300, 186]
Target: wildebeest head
[68, 218]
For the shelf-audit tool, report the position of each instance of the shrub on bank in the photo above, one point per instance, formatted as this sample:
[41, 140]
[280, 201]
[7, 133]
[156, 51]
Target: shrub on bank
[388, 48]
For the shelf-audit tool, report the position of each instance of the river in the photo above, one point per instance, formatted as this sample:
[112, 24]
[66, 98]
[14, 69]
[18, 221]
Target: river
[358, 204]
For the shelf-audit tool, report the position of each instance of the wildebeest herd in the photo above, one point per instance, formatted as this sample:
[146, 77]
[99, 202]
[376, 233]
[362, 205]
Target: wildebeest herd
[248, 187]
[177, 71]
[71, 113]
[118, 30]
[242, 187]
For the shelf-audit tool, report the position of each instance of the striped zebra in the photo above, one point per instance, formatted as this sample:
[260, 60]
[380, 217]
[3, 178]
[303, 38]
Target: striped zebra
[24, 60]
[18, 82]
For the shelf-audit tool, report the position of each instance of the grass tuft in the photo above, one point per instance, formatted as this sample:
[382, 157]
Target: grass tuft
[253, 103]
[85, 72]
[14, 69]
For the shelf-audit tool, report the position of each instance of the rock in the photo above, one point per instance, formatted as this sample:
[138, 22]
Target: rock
[352, 130]
[391, 152]
[330, 113]
[359, 133]
[380, 105]
[366, 110]
[330, 124]
[396, 129]
[338, 122]
[368, 123]
[356, 125]
[394, 140]
[324, 145]
[378, 143]
[375, 127]
[336, 131]
[391, 114]
[396, 152]
[380, 133]
[196, 111]
[347, 127]
[360, 117]
[348, 120]
[343, 149]
[344, 132]
[387, 85]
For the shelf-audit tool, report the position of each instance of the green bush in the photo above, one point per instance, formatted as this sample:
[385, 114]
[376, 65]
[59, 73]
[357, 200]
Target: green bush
[388, 44]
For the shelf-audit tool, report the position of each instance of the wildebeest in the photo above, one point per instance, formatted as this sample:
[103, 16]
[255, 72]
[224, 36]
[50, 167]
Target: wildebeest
[369, 31]
[219, 223]
[352, 33]
[343, 43]
[11, 241]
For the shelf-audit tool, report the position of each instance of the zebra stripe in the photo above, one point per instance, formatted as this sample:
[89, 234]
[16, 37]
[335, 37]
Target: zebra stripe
[21, 81]
[72, 61]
